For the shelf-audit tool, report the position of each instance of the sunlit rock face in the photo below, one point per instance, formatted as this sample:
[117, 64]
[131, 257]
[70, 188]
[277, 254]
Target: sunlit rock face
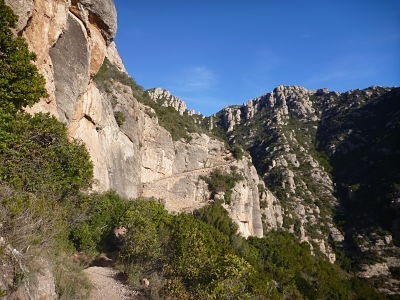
[137, 158]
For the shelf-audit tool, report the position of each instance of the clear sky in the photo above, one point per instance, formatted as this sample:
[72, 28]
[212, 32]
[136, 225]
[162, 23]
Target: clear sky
[214, 53]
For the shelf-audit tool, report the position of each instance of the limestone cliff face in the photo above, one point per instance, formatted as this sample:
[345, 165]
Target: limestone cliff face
[139, 157]
[172, 170]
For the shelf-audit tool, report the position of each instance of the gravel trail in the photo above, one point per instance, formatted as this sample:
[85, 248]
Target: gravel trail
[107, 286]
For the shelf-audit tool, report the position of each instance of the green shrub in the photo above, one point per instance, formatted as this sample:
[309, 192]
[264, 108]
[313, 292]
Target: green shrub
[101, 214]
[196, 249]
[45, 174]
[219, 181]
[38, 157]
[232, 274]
[119, 118]
[20, 82]
[41, 174]
[218, 217]
[238, 152]
[147, 225]
[199, 256]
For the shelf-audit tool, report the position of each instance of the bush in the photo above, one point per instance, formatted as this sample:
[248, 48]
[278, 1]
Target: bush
[238, 152]
[219, 181]
[218, 217]
[41, 176]
[38, 157]
[232, 275]
[44, 174]
[147, 224]
[119, 118]
[101, 214]
[20, 82]
[201, 257]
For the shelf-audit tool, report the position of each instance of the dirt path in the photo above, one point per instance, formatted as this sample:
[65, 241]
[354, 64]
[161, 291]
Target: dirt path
[178, 201]
[189, 172]
[106, 285]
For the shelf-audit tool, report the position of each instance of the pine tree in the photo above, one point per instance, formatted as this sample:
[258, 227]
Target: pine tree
[20, 82]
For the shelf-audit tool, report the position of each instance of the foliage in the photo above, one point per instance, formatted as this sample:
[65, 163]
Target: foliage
[191, 259]
[40, 189]
[218, 217]
[200, 256]
[41, 176]
[102, 213]
[232, 278]
[146, 222]
[70, 281]
[20, 82]
[238, 152]
[38, 157]
[119, 118]
[222, 182]
[310, 277]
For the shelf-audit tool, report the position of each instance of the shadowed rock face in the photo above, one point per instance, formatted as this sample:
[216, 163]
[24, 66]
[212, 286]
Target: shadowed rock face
[70, 57]
[104, 14]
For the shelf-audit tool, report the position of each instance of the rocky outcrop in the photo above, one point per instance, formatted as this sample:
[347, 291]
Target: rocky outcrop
[102, 13]
[271, 209]
[114, 58]
[245, 207]
[166, 99]
[38, 285]
[113, 152]
[172, 170]
[231, 117]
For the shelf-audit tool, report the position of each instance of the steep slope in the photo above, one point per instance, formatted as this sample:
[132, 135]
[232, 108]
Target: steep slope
[361, 134]
[332, 161]
[279, 131]
[139, 146]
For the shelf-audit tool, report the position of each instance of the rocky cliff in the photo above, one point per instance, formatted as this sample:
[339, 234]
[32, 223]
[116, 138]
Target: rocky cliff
[136, 156]
[165, 98]
[331, 159]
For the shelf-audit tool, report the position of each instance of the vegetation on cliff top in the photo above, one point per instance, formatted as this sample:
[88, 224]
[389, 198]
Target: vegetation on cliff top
[177, 125]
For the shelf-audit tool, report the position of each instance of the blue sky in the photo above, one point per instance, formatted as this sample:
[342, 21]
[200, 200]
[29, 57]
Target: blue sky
[214, 53]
